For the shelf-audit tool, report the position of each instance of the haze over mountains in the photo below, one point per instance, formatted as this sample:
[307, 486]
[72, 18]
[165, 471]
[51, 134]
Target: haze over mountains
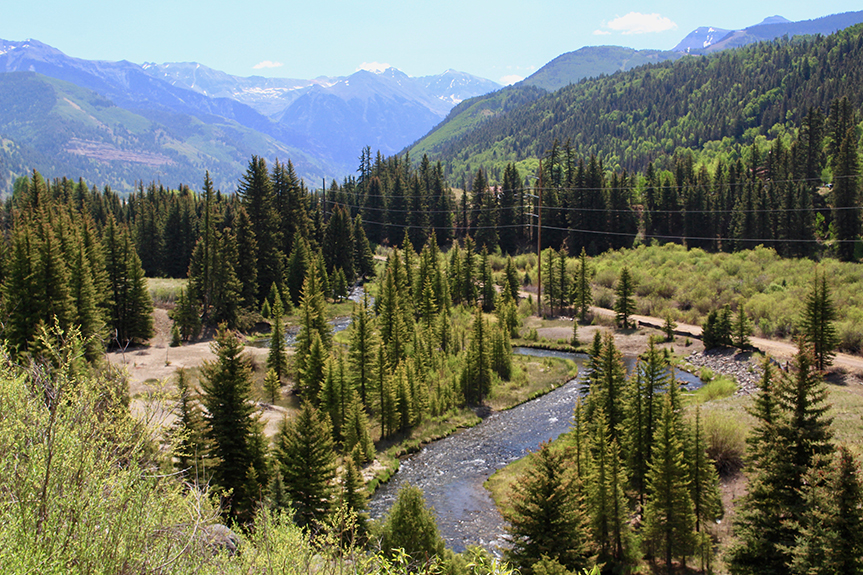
[115, 123]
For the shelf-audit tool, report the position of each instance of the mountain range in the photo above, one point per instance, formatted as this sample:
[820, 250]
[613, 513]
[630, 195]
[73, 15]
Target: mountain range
[200, 118]
[116, 123]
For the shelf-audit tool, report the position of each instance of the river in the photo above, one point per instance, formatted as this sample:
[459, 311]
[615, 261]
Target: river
[451, 471]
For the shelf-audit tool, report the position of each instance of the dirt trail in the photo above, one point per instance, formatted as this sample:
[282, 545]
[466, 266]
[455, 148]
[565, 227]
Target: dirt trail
[151, 370]
[780, 350]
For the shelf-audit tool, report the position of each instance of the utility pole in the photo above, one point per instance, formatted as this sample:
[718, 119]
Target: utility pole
[539, 246]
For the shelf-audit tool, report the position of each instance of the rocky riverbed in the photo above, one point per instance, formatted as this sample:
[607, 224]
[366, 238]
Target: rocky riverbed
[742, 366]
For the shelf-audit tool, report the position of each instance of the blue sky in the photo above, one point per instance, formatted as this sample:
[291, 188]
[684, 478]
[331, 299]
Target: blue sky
[503, 40]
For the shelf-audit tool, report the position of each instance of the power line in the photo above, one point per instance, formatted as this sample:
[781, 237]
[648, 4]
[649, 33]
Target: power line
[610, 233]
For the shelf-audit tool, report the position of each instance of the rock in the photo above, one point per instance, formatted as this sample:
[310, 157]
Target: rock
[218, 538]
[733, 363]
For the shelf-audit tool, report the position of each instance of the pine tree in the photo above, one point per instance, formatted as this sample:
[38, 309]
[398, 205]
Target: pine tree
[669, 518]
[410, 525]
[791, 437]
[547, 516]
[643, 408]
[305, 454]
[607, 388]
[489, 293]
[624, 305]
[357, 438]
[132, 308]
[817, 322]
[226, 284]
[704, 490]
[313, 328]
[188, 431]
[256, 192]
[362, 349]
[606, 500]
[742, 327]
[509, 283]
[277, 360]
[334, 395]
[364, 258]
[231, 425]
[846, 191]
[477, 373]
[297, 269]
[186, 317]
[85, 303]
[272, 385]
[831, 535]
[355, 500]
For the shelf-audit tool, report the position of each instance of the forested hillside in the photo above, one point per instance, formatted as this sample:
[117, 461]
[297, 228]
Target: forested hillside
[631, 118]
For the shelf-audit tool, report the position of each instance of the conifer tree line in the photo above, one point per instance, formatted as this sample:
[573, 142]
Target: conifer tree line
[67, 262]
[632, 452]
[768, 193]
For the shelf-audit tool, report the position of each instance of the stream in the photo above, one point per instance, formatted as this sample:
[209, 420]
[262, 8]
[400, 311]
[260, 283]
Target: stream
[451, 471]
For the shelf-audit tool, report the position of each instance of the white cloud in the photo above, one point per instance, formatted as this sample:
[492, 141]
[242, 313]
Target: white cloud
[511, 79]
[601, 33]
[376, 67]
[638, 23]
[267, 64]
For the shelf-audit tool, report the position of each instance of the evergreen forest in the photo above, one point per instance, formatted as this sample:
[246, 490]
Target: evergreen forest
[720, 191]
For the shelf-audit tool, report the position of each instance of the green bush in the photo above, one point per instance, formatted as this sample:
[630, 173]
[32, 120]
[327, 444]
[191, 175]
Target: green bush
[726, 441]
[716, 388]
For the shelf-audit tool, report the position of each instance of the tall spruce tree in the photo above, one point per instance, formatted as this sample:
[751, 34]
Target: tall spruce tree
[817, 322]
[305, 454]
[791, 437]
[277, 359]
[643, 408]
[231, 426]
[187, 432]
[669, 518]
[547, 517]
[624, 305]
[831, 535]
[132, 308]
[606, 500]
[256, 193]
[362, 349]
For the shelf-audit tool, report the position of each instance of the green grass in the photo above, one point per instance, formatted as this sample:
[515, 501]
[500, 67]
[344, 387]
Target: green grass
[531, 377]
[718, 388]
[165, 290]
[500, 483]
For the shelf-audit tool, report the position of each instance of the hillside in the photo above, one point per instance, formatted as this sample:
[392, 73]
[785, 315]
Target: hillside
[593, 61]
[631, 118]
[61, 129]
[319, 124]
[777, 27]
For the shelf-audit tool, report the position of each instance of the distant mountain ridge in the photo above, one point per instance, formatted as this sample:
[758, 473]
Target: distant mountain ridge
[769, 29]
[592, 61]
[333, 118]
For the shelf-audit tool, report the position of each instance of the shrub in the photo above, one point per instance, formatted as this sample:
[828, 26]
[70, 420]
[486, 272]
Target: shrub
[726, 442]
[716, 388]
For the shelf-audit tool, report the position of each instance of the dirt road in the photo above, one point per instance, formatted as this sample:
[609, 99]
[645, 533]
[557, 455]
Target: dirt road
[780, 350]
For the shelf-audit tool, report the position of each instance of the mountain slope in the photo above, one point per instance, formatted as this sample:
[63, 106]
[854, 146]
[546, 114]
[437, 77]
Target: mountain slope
[332, 119]
[386, 110]
[268, 96]
[61, 129]
[592, 61]
[777, 27]
[631, 118]
[700, 39]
